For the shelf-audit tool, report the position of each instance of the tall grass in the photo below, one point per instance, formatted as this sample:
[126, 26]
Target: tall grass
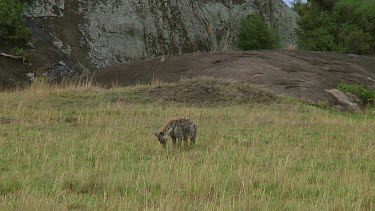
[81, 148]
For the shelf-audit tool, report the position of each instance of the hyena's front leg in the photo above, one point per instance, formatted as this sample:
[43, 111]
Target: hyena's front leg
[174, 141]
[179, 135]
[179, 142]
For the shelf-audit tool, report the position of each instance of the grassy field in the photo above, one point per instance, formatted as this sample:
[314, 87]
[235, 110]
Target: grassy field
[88, 148]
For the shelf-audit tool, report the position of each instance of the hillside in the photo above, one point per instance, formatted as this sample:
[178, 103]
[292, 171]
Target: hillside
[300, 74]
[71, 37]
[84, 147]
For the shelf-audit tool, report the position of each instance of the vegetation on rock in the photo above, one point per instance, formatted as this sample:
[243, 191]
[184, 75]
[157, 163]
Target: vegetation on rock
[256, 34]
[13, 27]
[364, 93]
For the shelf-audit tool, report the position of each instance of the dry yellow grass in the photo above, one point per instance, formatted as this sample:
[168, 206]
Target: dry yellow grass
[82, 148]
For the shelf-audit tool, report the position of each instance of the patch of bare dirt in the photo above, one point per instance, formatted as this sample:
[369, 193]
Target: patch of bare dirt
[300, 74]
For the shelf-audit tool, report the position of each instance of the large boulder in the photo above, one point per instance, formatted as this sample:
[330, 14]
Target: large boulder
[346, 101]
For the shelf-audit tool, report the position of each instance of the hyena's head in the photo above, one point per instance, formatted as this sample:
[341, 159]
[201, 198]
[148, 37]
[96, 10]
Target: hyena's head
[162, 138]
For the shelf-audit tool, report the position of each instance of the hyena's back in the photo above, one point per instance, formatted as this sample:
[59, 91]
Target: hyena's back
[181, 128]
[189, 129]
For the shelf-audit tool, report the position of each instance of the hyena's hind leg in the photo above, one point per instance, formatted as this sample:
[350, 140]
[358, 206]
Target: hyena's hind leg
[193, 135]
[192, 140]
[185, 141]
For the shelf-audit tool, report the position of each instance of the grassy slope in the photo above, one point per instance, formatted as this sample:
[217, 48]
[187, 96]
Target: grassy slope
[90, 148]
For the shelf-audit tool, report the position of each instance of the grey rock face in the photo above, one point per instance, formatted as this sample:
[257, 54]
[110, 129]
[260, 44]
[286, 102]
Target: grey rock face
[30, 76]
[45, 8]
[118, 31]
[59, 71]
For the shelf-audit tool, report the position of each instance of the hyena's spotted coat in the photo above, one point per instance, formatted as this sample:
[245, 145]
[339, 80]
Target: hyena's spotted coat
[181, 129]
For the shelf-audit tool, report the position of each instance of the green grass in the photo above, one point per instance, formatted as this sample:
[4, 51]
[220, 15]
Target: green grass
[91, 149]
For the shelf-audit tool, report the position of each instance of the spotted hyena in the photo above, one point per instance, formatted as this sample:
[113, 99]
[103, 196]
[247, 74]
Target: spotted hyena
[180, 129]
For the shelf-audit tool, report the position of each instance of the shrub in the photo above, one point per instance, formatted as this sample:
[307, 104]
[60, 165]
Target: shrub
[367, 95]
[256, 34]
[18, 51]
[317, 32]
[352, 39]
[13, 26]
[346, 26]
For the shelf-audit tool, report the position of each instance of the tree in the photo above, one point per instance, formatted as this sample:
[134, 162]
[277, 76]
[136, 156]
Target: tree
[13, 26]
[256, 34]
[346, 26]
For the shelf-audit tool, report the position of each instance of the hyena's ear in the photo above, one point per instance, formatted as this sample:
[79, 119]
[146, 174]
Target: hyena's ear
[156, 134]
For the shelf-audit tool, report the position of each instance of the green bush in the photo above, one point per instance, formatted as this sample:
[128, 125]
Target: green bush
[367, 95]
[18, 51]
[316, 33]
[13, 26]
[352, 39]
[346, 26]
[256, 34]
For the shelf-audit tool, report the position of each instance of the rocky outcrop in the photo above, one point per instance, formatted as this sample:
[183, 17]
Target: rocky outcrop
[102, 33]
[301, 74]
[346, 101]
